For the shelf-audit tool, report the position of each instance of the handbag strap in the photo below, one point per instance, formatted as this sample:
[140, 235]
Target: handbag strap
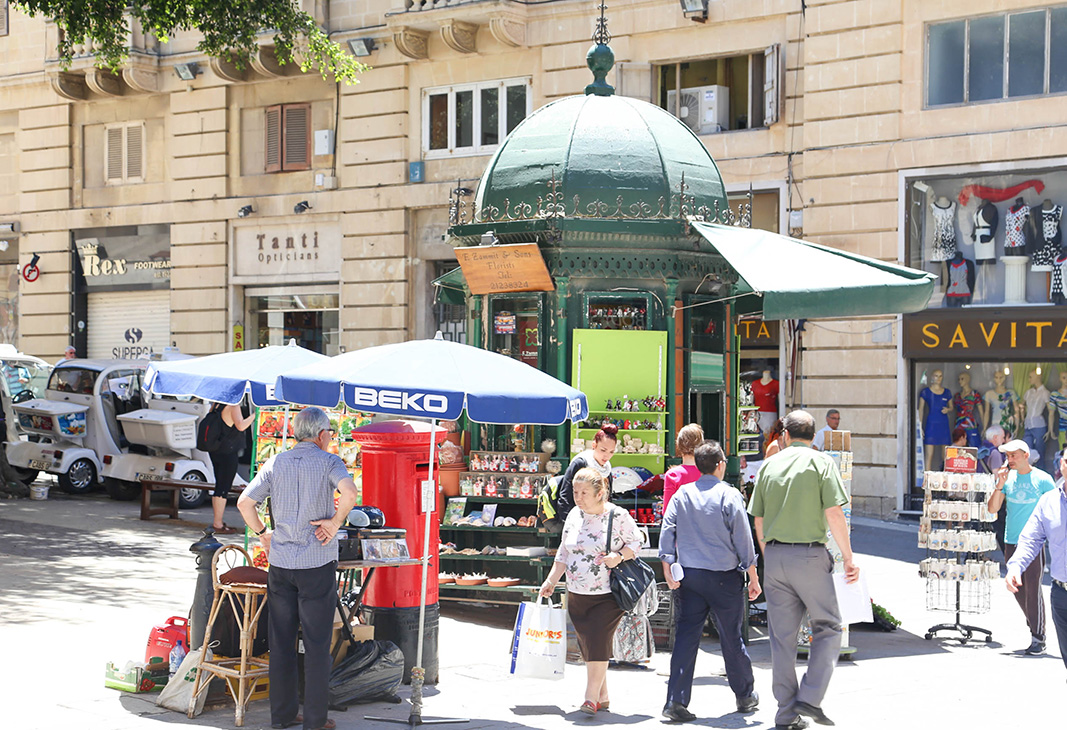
[611, 517]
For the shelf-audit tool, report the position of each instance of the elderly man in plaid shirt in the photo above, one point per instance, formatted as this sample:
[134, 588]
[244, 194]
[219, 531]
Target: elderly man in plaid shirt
[301, 583]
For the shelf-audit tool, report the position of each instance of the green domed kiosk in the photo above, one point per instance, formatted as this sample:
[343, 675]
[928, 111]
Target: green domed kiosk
[647, 269]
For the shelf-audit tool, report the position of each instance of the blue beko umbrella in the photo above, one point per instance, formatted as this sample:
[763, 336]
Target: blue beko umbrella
[438, 380]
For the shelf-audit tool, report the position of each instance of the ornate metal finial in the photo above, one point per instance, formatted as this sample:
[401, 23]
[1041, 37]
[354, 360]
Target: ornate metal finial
[600, 59]
[601, 35]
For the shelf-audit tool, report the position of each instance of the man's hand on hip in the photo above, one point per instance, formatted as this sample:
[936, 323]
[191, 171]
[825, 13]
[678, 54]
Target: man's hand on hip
[325, 530]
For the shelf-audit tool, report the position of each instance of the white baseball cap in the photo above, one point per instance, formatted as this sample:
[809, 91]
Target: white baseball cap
[1016, 445]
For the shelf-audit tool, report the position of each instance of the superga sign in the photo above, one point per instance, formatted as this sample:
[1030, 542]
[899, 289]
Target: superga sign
[398, 401]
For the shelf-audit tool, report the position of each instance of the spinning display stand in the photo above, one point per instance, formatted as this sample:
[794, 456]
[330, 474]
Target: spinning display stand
[957, 531]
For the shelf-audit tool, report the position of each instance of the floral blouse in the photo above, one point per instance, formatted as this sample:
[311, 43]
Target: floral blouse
[583, 540]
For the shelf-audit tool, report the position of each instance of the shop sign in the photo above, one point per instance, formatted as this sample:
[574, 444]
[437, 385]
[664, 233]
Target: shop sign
[961, 459]
[123, 263]
[287, 249]
[757, 333]
[986, 333]
[238, 337]
[512, 267]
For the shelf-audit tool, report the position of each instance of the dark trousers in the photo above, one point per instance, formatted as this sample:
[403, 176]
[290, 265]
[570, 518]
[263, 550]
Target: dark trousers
[1029, 595]
[304, 599]
[720, 593]
[1059, 617]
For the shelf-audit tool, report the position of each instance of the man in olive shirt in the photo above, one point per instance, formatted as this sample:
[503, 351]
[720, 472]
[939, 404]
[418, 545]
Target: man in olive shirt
[798, 495]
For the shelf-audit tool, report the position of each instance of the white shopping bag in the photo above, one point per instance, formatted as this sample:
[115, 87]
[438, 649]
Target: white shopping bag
[539, 644]
[853, 600]
[178, 692]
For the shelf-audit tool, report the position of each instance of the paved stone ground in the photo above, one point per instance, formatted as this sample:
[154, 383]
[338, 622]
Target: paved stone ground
[82, 580]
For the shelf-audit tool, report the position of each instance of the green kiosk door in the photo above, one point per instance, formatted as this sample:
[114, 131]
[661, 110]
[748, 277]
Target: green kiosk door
[616, 365]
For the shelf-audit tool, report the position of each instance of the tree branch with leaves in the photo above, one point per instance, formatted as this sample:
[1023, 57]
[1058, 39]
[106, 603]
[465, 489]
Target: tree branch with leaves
[231, 30]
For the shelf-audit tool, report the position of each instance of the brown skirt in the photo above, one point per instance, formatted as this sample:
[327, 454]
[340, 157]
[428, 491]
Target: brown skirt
[595, 618]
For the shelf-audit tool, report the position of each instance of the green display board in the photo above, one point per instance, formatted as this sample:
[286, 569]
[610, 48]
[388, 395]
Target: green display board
[615, 365]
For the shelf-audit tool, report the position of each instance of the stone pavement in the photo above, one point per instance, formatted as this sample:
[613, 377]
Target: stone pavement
[82, 580]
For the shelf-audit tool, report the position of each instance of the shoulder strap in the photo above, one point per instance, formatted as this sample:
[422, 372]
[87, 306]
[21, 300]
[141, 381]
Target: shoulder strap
[611, 518]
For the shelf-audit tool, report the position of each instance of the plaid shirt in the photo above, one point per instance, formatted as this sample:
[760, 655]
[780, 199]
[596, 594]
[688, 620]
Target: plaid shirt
[300, 483]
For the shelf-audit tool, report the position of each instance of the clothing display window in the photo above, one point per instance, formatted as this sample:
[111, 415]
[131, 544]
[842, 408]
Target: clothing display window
[1028, 400]
[991, 239]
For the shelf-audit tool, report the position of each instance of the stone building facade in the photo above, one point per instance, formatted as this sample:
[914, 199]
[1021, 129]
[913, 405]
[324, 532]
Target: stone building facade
[253, 205]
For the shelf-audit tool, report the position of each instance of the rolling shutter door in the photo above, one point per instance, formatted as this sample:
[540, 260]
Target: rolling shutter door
[129, 324]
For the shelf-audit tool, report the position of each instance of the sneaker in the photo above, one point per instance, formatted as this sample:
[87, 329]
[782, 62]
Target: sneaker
[1037, 646]
[748, 704]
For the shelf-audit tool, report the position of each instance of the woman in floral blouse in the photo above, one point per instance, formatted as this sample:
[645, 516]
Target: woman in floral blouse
[583, 556]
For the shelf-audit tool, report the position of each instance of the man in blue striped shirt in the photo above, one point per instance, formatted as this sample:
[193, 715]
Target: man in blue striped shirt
[301, 582]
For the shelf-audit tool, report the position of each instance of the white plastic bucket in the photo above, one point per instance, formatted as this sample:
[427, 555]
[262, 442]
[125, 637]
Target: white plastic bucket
[38, 492]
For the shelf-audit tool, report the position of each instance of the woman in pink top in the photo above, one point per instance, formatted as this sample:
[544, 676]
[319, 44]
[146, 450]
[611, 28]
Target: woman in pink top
[689, 437]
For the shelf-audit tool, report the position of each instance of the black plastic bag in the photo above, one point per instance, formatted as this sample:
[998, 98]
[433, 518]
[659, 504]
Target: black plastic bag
[372, 671]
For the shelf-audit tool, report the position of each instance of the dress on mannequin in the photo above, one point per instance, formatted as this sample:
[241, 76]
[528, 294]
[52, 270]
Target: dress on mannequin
[960, 281]
[1059, 276]
[986, 218]
[1058, 400]
[1049, 247]
[765, 397]
[1000, 406]
[1015, 221]
[944, 245]
[936, 429]
[1036, 425]
[967, 403]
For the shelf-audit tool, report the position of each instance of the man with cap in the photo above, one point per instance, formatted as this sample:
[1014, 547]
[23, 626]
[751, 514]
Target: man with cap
[1019, 486]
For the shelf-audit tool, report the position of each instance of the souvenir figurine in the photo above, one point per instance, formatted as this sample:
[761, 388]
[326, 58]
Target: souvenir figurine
[514, 464]
[618, 404]
[607, 406]
[479, 486]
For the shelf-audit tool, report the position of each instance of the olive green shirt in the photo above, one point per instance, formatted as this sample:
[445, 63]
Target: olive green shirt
[794, 488]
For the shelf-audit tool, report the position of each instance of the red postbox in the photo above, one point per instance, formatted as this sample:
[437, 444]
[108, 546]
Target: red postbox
[396, 457]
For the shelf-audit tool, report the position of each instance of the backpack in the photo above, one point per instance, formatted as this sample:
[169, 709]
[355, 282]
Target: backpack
[548, 505]
[209, 431]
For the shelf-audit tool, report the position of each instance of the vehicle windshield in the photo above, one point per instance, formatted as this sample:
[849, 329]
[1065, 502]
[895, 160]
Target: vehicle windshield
[73, 380]
[23, 375]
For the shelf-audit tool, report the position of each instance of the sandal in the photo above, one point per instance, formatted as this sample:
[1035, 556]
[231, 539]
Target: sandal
[224, 530]
[589, 707]
[603, 705]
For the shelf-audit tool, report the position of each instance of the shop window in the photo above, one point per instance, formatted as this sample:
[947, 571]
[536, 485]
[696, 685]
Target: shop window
[474, 118]
[124, 152]
[311, 318]
[1026, 399]
[722, 94]
[991, 239]
[996, 57]
[288, 137]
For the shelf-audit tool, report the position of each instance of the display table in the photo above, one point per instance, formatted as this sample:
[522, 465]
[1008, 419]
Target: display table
[349, 605]
[173, 486]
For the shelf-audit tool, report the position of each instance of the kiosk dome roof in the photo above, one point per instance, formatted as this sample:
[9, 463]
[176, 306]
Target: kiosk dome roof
[599, 148]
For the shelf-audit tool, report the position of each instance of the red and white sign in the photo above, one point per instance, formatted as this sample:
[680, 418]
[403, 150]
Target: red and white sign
[961, 459]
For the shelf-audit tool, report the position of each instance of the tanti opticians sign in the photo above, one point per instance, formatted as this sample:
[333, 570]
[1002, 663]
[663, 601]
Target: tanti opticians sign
[985, 333]
[288, 249]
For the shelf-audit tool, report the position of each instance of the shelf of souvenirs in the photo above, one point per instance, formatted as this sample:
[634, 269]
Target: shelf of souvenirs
[947, 481]
[972, 571]
[507, 462]
[945, 510]
[958, 541]
[506, 486]
[627, 445]
[654, 404]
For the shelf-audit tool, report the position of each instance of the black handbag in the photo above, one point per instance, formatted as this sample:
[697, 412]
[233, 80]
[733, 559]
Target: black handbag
[630, 578]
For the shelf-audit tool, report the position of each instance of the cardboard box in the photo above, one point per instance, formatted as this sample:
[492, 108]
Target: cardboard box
[132, 678]
[838, 441]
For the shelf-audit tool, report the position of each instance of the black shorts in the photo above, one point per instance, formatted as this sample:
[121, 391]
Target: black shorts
[225, 466]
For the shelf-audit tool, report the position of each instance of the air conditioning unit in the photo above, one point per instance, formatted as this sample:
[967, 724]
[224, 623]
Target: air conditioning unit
[704, 109]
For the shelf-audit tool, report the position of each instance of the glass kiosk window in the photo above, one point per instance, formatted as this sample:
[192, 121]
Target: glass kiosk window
[617, 312]
[515, 332]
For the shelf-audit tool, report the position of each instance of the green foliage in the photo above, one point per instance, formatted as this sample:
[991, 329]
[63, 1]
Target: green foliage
[230, 30]
[883, 616]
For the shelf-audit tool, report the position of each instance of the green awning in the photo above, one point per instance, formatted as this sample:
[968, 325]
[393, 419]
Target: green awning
[798, 279]
[451, 288]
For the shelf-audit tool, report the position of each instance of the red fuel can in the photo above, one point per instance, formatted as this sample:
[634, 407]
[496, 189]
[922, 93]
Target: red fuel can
[164, 637]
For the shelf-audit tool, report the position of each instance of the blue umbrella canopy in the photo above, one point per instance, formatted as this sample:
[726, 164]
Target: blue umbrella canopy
[435, 379]
[226, 377]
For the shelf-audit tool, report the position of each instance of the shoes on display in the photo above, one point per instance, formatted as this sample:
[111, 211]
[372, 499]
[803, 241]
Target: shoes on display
[1037, 646]
[815, 713]
[748, 704]
[798, 724]
[677, 712]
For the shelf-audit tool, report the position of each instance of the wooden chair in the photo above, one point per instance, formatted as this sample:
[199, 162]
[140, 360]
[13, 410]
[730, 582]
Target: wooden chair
[244, 672]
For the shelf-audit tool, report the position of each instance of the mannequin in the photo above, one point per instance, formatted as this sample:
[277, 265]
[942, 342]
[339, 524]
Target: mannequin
[1059, 278]
[1058, 401]
[765, 395]
[1036, 414]
[1015, 221]
[960, 281]
[967, 404]
[935, 407]
[944, 245]
[999, 406]
[1047, 236]
[985, 220]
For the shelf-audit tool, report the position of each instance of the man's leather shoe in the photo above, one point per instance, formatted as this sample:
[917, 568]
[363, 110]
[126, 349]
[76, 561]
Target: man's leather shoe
[1037, 646]
[798, 724]
[677, 712]
[748, 704]
[815, 713]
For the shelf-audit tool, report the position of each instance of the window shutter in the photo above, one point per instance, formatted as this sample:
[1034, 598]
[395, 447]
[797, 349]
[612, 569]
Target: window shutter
[3, 16]
[113, 154]
[273, 139]
[296, 137]
[134, 152]
[772, 88]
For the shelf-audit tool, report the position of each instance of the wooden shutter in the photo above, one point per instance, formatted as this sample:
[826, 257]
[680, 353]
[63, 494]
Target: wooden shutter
[296, 137]
[3, 16]
[134, 153]
[772, 86]
[272, 144]
[113, 140]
